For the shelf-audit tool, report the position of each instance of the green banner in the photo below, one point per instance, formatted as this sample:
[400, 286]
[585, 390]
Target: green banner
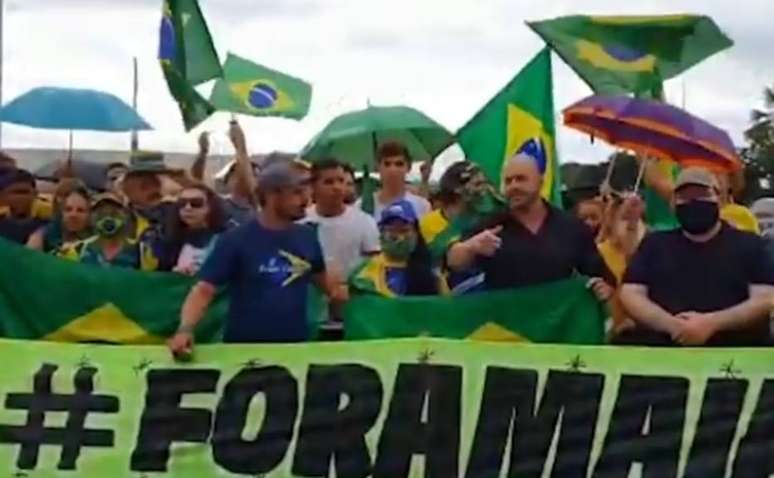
[44, 297]
[386, 409]
[559, 312]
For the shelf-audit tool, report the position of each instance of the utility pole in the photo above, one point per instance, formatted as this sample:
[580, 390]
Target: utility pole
[135, 141]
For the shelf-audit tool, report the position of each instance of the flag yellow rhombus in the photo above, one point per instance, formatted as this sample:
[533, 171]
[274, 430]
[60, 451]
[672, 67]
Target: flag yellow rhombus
[491, 332]
[104, 324]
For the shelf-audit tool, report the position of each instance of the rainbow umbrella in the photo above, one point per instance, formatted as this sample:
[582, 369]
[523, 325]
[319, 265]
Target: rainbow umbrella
[655, 129]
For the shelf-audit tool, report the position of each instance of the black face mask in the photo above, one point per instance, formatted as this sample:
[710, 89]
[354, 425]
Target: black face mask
[697, 217]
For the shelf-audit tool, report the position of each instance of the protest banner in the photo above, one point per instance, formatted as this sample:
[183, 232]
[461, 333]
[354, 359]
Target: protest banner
[417, 407]
[559, 312]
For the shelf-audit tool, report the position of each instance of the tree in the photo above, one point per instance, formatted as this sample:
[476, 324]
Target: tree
[758, 155]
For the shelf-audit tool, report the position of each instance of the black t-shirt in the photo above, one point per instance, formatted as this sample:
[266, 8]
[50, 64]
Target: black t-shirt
[683, 276]
[561, 248]
[19, 230]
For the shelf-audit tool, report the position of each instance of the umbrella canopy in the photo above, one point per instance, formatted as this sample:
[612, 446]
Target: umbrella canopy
[73, 109]
[354, 137]
[656, 129]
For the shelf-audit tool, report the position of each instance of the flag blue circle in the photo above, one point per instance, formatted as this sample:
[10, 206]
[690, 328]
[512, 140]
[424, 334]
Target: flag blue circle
[623, 52]
[262, 95]
[537, 150]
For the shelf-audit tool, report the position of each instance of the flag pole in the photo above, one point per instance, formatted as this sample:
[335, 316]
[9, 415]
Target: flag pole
[135, 139]
[2, 19]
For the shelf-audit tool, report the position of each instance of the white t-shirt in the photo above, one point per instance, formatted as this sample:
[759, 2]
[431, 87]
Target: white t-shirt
[345, 239]
[421, 205]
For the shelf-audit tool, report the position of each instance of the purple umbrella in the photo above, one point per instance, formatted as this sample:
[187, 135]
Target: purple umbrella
[655, 129]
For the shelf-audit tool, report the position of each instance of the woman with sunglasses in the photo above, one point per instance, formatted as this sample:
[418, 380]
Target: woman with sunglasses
[194, 231]
[71, 221]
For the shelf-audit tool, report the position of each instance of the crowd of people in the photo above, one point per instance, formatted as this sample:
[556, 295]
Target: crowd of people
[285, 226]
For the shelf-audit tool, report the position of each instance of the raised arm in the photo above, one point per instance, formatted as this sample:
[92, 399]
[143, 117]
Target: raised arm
[199, 165]
[245, 179]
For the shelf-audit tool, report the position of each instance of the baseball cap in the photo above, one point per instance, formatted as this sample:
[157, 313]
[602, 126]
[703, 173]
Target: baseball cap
[401, 210]
[108, 197]
[279, 175]
[457, 176]
[696, 177]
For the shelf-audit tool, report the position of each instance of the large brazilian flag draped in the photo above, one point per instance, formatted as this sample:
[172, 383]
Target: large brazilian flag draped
[188, 58]
[561, 312]
[43, 297]
[519, 119]
[632, 54]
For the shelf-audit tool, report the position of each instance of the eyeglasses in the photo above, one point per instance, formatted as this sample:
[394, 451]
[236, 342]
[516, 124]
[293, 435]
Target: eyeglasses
[194, 203]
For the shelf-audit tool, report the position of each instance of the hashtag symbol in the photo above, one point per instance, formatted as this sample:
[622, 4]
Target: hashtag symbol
[74, 435]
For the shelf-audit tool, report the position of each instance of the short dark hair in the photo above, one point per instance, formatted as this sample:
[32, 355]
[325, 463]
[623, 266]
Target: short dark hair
[327, 164]
[391, 149]
[349, 170]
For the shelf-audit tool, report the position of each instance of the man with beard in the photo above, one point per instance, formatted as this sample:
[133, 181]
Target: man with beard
[142, 186]
[268, 264]
[533, 242]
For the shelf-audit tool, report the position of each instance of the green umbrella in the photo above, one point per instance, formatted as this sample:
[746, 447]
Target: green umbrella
[354, 137]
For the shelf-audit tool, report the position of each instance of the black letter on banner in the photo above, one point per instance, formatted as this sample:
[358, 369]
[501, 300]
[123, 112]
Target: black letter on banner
[755, 456]
[330, 432]
[720, 409]
[405, 434]
[267, 450]
[509, 396]
[659, 449]
[164, 421]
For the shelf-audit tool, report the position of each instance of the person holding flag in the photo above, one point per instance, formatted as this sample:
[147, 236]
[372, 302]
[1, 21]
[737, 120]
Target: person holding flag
[533, 242]
[465, 199]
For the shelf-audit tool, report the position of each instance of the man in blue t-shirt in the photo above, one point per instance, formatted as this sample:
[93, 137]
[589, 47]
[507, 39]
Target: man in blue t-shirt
[268, 264]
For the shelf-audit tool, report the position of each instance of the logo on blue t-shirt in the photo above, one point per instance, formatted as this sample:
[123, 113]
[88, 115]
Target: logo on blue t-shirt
[285, 268]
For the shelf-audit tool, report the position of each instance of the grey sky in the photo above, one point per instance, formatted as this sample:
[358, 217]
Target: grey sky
[445, 57]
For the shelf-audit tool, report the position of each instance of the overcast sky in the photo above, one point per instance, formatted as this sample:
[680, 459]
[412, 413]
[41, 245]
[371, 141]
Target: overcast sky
[445, 57]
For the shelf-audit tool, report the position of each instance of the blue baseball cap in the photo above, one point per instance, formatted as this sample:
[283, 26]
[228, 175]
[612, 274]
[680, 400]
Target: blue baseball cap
[402, 210]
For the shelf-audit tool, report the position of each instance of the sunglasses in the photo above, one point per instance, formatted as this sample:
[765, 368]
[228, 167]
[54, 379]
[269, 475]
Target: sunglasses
[195, 203]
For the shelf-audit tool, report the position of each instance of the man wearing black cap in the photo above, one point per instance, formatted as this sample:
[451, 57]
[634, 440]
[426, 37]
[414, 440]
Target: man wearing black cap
[17, 196]
[705, 283]
[268, 264]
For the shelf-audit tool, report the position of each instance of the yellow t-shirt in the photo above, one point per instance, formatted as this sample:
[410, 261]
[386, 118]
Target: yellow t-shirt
[42, 208]
[616, 262]
[740, 217]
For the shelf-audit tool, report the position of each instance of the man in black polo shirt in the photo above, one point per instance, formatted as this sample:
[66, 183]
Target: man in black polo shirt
[533, 242]
[706, 283]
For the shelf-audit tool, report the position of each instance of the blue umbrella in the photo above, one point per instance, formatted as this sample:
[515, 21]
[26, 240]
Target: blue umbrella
[73, 109]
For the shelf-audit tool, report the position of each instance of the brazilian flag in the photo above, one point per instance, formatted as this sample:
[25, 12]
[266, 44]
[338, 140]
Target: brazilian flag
[188, 58]
[631, 54]
[46, 298]
[519, 119]
[252, 89]
[528, 314]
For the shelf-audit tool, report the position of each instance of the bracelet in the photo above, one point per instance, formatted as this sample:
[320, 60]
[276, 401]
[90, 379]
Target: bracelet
[185, 329]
